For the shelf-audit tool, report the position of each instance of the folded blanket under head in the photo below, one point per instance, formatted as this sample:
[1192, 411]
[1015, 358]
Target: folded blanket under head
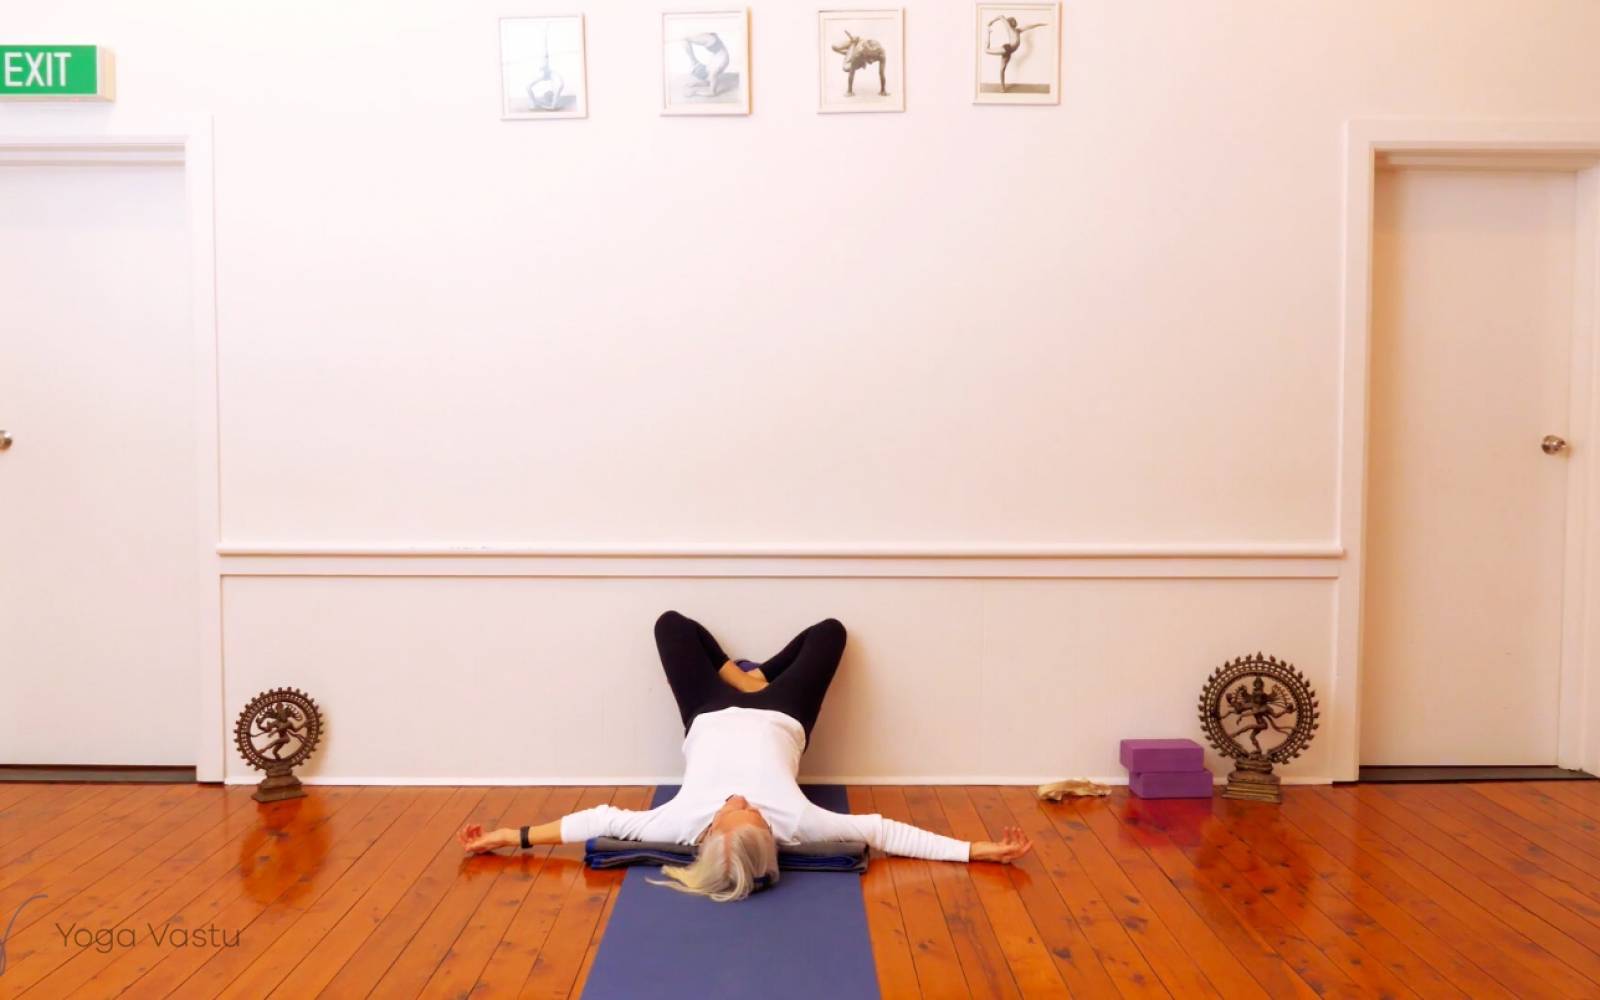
[609, 852]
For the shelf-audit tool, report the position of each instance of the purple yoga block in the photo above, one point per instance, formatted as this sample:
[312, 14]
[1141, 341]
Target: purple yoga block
[1171, 784]
[1161, 755]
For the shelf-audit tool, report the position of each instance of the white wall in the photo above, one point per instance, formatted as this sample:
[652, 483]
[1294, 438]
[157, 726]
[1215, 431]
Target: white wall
[550, 679]
[1109, 323]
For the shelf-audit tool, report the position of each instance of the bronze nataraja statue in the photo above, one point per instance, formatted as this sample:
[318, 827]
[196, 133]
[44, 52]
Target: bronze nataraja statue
[275, 733]
[1255, 697]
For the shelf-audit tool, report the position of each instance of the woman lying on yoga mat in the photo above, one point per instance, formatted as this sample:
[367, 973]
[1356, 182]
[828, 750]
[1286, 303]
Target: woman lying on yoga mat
[746, 726]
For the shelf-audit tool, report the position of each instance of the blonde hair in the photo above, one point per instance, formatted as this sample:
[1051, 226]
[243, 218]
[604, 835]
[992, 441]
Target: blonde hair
[730, 866]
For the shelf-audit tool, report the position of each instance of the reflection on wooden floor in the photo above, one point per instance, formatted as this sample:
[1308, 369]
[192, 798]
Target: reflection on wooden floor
[1455, 890]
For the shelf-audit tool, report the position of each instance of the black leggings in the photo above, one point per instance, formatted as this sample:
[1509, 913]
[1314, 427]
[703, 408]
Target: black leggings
[797, 678]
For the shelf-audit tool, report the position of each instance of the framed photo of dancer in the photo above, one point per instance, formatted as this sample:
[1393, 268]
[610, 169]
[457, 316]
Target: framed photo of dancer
[1018, 53]
[861, 63]
[705, 62]
[542, 68]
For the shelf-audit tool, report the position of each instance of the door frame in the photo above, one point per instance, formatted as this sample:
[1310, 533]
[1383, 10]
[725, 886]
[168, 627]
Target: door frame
[41, 135]
[1572, 147]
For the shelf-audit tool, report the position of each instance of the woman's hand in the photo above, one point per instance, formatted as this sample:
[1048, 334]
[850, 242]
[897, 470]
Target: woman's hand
[474, 840]
[1013, 845]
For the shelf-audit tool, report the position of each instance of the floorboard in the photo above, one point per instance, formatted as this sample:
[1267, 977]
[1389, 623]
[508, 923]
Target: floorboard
[933, 947]
[1436, 891]
[891, 947]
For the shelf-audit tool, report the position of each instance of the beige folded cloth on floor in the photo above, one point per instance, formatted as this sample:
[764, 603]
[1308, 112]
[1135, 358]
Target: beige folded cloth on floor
[1072, 787]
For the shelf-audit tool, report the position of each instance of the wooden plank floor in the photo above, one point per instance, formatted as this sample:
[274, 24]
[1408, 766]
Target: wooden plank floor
[1458, 890]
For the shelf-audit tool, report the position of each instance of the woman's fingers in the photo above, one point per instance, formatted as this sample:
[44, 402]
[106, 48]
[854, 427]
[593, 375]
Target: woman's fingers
[471, 837]
[1014, 844]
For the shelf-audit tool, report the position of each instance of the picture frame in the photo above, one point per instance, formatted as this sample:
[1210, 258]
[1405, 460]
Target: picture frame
[705, 62]
[1017, 50]
[543, 67]
[855, 50]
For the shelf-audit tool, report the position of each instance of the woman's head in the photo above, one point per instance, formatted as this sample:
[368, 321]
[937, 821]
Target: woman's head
[736, 854]
[737, 811]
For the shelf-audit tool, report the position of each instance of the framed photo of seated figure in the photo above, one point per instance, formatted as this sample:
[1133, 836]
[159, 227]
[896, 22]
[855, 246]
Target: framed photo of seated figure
[861, 60]
[705, 62]
[1018, 53]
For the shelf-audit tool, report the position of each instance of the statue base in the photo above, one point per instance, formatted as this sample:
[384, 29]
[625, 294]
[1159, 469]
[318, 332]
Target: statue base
[279, 785]
[1252, 780]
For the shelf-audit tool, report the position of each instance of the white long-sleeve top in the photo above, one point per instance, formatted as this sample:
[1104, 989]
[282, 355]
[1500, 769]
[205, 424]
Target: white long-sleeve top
[755, 753]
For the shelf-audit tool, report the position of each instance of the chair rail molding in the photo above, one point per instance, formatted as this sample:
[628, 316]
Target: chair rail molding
[1256, 560]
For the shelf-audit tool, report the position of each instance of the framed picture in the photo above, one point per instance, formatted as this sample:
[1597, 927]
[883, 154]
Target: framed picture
[705, 62]
[1018, 53]
[542, 68]
[861, 63]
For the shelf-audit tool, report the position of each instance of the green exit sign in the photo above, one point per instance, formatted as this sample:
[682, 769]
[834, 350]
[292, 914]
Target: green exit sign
[56, 72]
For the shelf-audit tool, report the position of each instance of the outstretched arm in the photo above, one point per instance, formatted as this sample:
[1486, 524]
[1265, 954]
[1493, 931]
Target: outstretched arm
[894, 837]
[476, 840]
[573, 828]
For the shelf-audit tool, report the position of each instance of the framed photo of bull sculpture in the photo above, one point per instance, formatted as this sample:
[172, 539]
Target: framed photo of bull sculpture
[1018, 53]
[861, 60]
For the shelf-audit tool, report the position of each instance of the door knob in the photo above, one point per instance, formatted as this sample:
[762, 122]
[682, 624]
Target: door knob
[1553, 443]
[5, 440]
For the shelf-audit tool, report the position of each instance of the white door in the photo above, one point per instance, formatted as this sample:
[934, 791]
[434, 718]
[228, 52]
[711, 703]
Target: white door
[1471, 349]
[98, 560]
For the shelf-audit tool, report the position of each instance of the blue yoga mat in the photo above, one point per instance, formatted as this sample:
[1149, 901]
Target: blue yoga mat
[805, 938]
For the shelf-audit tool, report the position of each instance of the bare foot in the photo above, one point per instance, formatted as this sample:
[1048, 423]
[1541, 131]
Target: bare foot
[741, 680]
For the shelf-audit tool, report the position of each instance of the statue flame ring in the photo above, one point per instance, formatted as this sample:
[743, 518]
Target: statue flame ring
[1273, 693]
[278, 729]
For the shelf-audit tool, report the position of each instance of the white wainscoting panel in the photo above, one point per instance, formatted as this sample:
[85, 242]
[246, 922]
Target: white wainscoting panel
[548, 679]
